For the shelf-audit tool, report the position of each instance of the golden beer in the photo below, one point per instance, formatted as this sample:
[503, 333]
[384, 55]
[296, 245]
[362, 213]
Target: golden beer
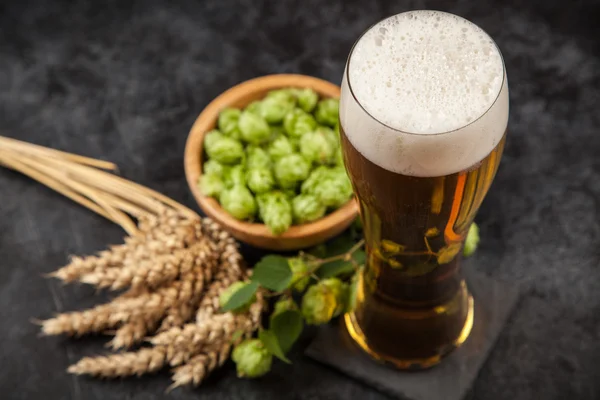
[423, 129]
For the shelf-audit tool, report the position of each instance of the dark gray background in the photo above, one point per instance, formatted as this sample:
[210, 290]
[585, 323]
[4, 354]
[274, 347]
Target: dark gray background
[124, 81]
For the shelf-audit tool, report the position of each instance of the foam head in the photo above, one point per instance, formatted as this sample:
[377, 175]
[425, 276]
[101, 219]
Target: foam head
[424, 93]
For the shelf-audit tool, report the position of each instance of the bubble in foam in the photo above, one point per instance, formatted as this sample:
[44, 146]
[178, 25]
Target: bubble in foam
[425, 73]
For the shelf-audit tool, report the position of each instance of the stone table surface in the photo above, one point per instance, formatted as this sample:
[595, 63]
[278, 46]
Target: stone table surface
[125, 80]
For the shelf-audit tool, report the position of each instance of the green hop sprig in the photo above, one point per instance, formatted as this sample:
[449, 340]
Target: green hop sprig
[326, 280]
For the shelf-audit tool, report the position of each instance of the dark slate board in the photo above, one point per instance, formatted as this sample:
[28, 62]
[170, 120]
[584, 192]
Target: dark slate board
[453, 377]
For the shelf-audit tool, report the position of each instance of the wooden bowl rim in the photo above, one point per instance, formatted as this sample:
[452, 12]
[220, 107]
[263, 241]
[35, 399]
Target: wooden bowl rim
[194, 147]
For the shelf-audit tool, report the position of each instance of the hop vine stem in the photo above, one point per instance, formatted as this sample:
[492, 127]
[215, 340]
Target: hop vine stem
[347, 256]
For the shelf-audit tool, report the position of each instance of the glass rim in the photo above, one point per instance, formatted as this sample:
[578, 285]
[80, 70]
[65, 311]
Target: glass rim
[348, 81]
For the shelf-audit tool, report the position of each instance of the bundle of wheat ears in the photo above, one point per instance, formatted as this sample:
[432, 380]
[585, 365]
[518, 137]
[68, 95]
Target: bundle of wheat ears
[169, 271]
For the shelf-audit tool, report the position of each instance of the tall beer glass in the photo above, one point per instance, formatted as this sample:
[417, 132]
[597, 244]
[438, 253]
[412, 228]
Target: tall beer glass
[423, 117]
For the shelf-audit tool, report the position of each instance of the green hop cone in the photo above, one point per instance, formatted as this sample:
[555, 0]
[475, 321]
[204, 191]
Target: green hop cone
[327, 112]
[238, 202]
[335, 190]
[224, 149]
[226, 294]
[291, 170]
[290, 194]
[317, 147]
[253, 107]
[301, 276]
[260, 180]
[307, 208]
[331, 135]
[276, 131]
[276, 211]
[228, 122]
[340, 291]
[235, 176]
[257, 157]
[213, 167]
[252, 359]
[472, 240]
[276, 106]
[317, 175]
[319, 304]
[297, 122]
[211, 138]
[282, 305]
[287, 95]
[307, 99]
[295, 141]
[254, 128]
[211, 185]
[280, 147]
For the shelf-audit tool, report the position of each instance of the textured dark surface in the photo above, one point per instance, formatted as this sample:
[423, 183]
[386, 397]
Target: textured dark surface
[452, 379]
[124, 81]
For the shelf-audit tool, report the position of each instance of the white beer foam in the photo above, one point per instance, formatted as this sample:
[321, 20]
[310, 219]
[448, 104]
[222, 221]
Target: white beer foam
[425, 94]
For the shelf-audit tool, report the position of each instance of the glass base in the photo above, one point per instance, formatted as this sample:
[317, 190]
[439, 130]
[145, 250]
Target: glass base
[410, 364]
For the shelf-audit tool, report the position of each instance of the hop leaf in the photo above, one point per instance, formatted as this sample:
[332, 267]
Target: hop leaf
[238, 297]
[287, 327]
[391, 247]
[269, 339]
[432, 232]
[273, 272]
[447, 253]
[252, 359]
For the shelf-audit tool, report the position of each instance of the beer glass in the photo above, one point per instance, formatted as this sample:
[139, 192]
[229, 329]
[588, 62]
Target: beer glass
[423, 117]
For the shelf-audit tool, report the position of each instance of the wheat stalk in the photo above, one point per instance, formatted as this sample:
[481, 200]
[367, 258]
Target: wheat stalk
[173, 265]
[143, 361]
[195, 370]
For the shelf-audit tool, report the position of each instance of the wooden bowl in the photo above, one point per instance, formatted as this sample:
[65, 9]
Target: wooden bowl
[258, 235]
